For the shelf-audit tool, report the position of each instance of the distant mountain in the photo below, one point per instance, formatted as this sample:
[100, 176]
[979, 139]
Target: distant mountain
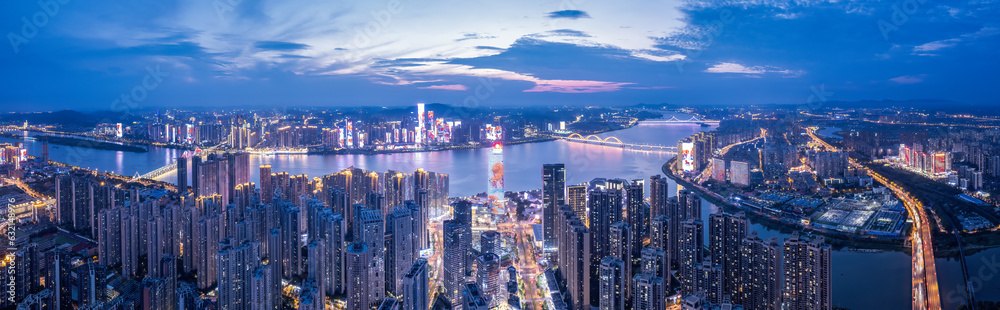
[928, 105]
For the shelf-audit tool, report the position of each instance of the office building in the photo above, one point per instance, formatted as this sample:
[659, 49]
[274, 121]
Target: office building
[553, 196]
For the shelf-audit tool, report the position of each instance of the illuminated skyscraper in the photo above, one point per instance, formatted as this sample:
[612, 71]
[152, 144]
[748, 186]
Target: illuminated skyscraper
[648, 292]
[638, 218]
[725, 236]
[806, 267]
[689, 244]
[415, 294]
[266, 188]
[612, 284]
[576, 198]
[553, 196]
[455, 248]
[495, 183]
[760, 273]
[359, 288]
[182, 178]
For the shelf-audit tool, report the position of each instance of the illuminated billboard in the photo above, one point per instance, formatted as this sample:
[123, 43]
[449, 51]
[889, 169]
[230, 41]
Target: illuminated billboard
[718, 169]
[493, 133]
[495, 184]
[190, 133]
[118, 130]
[687, 156]
[939, 162]
[420, 124]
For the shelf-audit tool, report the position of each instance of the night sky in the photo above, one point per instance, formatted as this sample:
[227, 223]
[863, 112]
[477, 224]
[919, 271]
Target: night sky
[246, 53]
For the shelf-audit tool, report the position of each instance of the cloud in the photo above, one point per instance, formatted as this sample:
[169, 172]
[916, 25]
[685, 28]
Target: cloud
[280, 46]
[571, 14]
[923, 49]
[909, 79]
[458, 87]
[732, 67]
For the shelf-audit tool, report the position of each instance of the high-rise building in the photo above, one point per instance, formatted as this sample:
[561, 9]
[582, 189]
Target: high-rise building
[415, 295]
[399, 250]
[262, 293]
[760, 273]
[489, 242]
[454, 254]
[266, 188]
[659, 192]
[689, 245]
[654, 261]
[291, 243]
[488, 276]
[369, 229]
[638, 219]
[648, 292]
[213, 177]
[553, 196]
[806, 268]
[709, 281]
[182, 173]
[196, 175]
[207, 239]
[725, 238]
[576, 198]
[573, 256]
[359, 288]
[605, 206]
[613, 282]
[236, 267]
[58, 279]
[621, 248]
[92, 283]
[109, 239]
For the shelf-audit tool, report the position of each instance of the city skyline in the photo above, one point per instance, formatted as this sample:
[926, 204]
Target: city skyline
[231, 53]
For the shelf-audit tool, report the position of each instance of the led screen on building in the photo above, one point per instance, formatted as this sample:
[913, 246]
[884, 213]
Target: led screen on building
[687, 156]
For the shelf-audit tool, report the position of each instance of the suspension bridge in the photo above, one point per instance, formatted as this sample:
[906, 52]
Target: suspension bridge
[674, 120]
[615, 142]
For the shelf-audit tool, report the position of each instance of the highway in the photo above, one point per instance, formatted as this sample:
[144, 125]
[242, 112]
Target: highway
[527, 265]
[926, 294]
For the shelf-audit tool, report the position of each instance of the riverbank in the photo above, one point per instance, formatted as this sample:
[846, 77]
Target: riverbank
[438, 149]
[100, 145]
[838, 241]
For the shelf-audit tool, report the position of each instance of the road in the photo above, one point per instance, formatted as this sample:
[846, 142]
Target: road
[926, 294]
[527, 266]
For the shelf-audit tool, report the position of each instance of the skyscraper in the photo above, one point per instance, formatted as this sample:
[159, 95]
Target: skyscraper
[576, 198]
[659, 192]
[725, 237]
[760, 273]
[488, 277]
[689, 244]
[182, 178]
[709, 281]
[236, 266]
[638, 219]
[454, 258]
[613, 281]
[806, 267]
[553, 196]
[400, 253]
[266, 188]
[573, 256]
[370, 231]
[489, 242]
[359, 295]
[415, 294]
[605, 206]
[648, 292]
[291, 243]
[621, 249]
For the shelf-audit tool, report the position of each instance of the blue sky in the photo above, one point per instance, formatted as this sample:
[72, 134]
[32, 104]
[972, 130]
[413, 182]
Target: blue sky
[238, 53]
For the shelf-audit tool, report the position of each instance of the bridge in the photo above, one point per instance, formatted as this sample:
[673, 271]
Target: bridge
[674, 120]
[172, 166]
[615, 142]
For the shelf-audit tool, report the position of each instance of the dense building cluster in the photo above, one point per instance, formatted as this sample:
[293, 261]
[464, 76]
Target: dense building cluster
[226, 242]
